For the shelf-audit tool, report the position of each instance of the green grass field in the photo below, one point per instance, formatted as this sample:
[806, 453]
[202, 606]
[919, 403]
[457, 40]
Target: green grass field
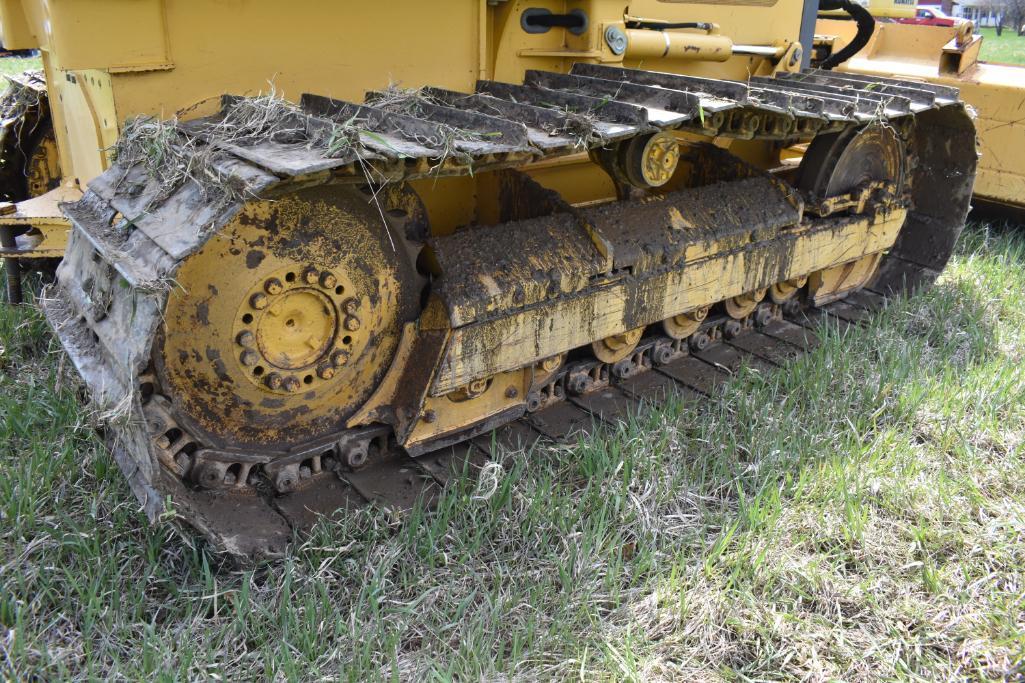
[859, 515]
[15, 65]
[1009, 48]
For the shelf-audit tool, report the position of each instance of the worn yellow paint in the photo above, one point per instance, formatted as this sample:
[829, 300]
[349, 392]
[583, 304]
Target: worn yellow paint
[272, 333]
[48, 235]
[834, 283]
[388, 390]
[526, 336]
[454, 412]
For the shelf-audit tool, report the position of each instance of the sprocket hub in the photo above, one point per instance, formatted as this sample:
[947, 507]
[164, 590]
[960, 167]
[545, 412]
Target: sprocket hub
[283, 324]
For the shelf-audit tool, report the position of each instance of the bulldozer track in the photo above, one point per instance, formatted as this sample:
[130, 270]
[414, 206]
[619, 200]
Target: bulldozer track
[132, 232]
[395, 481]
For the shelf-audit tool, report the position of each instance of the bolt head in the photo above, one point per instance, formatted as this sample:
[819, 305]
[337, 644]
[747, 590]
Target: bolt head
[339, 358]
[352, 323]
[245, 338]
[511, 392]
[162, 442]
[249, 358]
[284, 481]
[311, 275]
[273, 286]
[328, 280]
[350, 306]
[258, 301]
[291, 384]
[430, 416]
[273, 381]
[325, 372]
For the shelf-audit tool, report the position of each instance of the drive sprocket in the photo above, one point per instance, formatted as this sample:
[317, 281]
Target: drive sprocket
[284, 323]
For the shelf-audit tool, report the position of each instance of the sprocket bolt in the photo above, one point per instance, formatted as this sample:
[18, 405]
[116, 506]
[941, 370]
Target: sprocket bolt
[350, 306]
[245, 338]
[311, 275]
[327, 280]
[258, 301]
[352, 323]
[325, 372]
[339, 358]
[273, 286]
[273, 381]
[249, 358]
[291, 384]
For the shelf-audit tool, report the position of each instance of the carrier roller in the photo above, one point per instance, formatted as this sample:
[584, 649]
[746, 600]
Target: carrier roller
[257, 348]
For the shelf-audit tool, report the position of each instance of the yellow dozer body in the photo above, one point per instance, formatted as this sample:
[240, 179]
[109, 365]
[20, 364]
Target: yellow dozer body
[950, 56]
[308, 249]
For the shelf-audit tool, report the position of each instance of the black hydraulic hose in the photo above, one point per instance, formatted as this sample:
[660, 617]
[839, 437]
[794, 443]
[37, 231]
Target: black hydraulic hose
[866, 25]
[661, 26]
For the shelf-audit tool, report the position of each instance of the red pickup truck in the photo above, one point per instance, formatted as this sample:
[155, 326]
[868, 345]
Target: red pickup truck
[931, 16]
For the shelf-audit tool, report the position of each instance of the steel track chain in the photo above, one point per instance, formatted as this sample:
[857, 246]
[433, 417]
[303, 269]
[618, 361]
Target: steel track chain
[395, 482]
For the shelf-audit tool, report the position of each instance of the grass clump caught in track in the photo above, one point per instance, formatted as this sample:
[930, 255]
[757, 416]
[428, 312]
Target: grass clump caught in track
[858, 515]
